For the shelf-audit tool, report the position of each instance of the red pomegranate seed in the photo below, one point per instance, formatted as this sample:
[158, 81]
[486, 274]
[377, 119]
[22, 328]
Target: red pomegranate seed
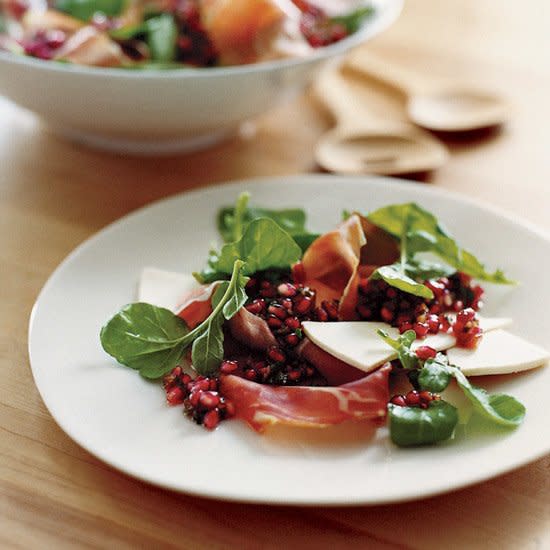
[250, 374]
[292, 339]
[303, 306]
[458, 305]
[293, 323]
[287, 290]
[175, 396]
[391, 293]
[194, 398]
[421, 329]
[386, 314]
[287, 304]
[211, 419]
[364, 311]
[298, 273]
[331, 308]
[275, 353]
[321, 315]
[227, 367]
[412, 398]
[425, 396]
[274, 322]
[433, 324]
[256, 306]
[209, 399]
[398, 400]
[295, 375]
[426, 352]
[278, 310]
[405, 327]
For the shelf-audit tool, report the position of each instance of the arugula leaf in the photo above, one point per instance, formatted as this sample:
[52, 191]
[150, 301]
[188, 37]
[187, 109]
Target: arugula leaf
[424, 270]
[353, 21]
[425, 233]
[402, 345]
[153, 339]
[395, 276]
[416, 426]
[264, 245]
[434, 376]
[85, 9]
[499, 407]
[292, 220]
[162, 34]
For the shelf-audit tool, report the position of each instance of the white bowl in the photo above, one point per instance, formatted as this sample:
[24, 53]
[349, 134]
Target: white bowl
[164, 111]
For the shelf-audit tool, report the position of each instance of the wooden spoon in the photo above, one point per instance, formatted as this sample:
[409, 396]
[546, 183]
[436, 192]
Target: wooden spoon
[436, 105]
[362, 143]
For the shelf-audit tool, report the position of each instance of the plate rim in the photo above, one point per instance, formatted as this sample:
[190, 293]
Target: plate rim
[255, 182]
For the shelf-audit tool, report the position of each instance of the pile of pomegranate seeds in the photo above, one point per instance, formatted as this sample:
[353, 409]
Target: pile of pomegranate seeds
[200, 396]
[415, 398]
[466, 329]
[380, 302]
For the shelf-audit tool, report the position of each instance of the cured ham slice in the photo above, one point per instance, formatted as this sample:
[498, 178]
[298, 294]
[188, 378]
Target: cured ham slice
[251, 330]
[196, 305]
[261, 406]
[332, 260]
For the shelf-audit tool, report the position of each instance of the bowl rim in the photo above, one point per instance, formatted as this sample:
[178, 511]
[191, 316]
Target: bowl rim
[386, 12]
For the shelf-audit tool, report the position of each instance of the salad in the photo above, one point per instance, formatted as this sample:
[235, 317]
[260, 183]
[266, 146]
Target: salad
[143, 34]
[370, 322]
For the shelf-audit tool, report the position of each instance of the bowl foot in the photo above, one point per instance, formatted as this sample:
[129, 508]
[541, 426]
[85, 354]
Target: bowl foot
[145, 147]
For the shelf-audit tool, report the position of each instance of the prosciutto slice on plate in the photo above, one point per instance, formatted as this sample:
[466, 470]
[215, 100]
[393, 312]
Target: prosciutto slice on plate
[261, 406]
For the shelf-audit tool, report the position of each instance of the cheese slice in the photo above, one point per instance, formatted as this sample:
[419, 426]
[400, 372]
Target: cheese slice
[358, 344]
[164, 288]
[499, 352]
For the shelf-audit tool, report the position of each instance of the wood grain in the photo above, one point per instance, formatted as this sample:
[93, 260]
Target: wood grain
[54, 194]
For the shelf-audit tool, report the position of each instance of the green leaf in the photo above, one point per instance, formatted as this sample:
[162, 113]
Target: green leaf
[264, 245]
[85, 9]
[162, 34]
[402, 345]
[207, 352]
[424, 270]
[354, 20]
[396, 277]
[425, 233]
[500, 408]
[434, 376]
[153, 339]
[141, 330]
[292, 220]
[416, 426]
[129, 31]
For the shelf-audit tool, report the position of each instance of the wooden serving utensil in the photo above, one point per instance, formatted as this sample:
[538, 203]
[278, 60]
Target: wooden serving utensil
[437, 105]
[363, 143]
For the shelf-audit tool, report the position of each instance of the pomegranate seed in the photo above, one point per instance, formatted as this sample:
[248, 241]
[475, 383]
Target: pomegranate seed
[194, 398]
[227, 367]
[293, 323]
[287, 290]
[458, 305]
[303, 305]
[412, 398]
[386, 314]
[421, 329]
[287, 304]
[321, 315]
[298, 273]
[405, 327]
[257, 306]
[425, 396]
[391, 293]
[277, 310]
[250, 374]
[211, 419]
[175, 396]
[331, 308]
[295, 375]
[398, 400]
[276, 354]
[425, 352]
[292, 339]
[274, 322]
[209, 399]
[364, 311]
[433, 324]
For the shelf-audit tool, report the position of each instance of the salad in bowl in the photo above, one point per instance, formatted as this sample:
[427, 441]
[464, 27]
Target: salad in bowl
[140, 34]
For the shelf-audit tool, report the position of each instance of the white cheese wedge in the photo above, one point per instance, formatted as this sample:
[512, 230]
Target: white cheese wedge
[499, 352]
[164, 288]
[358, 344]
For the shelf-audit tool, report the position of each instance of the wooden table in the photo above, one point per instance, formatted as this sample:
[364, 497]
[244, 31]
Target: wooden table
[53, 195]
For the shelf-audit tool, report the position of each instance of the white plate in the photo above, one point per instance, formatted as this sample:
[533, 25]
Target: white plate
[123, 419]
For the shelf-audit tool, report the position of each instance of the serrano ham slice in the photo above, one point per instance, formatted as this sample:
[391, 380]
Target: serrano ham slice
[331, 261]
[261, 406]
